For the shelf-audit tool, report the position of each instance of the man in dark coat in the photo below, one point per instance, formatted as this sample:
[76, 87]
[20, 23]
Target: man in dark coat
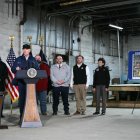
[24, 62]
[3, 76]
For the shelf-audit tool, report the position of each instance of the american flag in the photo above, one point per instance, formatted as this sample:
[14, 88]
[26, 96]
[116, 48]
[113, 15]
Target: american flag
[12, 90]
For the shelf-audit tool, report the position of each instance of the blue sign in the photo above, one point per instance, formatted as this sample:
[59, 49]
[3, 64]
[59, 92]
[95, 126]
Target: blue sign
[133, 65]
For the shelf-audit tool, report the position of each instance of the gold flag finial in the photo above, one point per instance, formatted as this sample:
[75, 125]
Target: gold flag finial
[41, 40]
[30, 39]
[11, 37]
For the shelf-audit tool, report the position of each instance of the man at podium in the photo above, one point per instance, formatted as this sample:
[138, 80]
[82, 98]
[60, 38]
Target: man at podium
[24, 62]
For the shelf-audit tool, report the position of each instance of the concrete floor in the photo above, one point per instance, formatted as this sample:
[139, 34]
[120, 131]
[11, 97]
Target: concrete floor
[117, 124]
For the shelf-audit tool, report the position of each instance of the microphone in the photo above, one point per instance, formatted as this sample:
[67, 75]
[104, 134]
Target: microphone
[33, 65]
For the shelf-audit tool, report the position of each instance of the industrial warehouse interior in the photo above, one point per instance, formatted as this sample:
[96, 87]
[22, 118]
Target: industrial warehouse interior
[91, 29]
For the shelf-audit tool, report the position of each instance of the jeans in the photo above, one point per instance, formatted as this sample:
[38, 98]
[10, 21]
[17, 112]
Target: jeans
[41, 96]
[64, 93]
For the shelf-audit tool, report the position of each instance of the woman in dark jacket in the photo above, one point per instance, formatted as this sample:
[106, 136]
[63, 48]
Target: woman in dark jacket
[42, 85]
[101, 80]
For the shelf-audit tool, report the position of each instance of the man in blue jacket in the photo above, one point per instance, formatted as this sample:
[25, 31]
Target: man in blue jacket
[24, 62]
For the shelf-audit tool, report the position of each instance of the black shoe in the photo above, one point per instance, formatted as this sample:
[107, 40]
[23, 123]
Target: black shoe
[96, 113]
[2, 116]
[83, 113]
[103, 113]
[66, 113]
[54, 113]
[44, 113]
[76, 113]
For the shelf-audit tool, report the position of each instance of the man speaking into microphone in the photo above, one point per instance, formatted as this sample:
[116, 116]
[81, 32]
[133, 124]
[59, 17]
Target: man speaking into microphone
[24, 62]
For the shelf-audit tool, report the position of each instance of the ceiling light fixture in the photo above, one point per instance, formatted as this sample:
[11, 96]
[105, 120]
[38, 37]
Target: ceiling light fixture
[119, 51]
[114, 26]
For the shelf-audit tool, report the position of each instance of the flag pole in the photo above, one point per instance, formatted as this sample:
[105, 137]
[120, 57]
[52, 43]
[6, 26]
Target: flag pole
[30, 43]
[41, 45]
[30, 40]
[11, 37]
[42, 55]
[41, 39]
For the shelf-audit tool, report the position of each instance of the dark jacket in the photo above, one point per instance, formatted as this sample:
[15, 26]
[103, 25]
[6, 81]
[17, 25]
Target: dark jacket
[24, 64]
[101, 77]
[3, 75]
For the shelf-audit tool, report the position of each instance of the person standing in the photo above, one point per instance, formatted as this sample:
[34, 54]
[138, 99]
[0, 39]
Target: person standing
[23, 62]
[3, 76]
[80, 79]
[42, 85]
[60, 76]
[101, 80]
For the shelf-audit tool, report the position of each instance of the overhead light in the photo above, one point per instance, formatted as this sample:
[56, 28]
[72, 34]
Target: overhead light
[114, 26]
[72, 2]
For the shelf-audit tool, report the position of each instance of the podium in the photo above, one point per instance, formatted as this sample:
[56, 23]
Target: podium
[31, 116]
[1, 103]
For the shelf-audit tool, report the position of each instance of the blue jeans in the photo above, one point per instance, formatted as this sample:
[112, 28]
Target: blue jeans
[41, 96]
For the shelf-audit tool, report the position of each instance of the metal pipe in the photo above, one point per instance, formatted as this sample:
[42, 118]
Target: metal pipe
[8, 7]
[55, 34]
[16, 7]
[38, 23]
[63, 34]
[45, 42]
[12, 8]
[85, 27]
[24, 14]
[49, 18]
[54, 1]
[119, 54]
[93, 45]
[71, 30]
[95, 39]
[70, 33]
[69, 41]
[21, 38]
